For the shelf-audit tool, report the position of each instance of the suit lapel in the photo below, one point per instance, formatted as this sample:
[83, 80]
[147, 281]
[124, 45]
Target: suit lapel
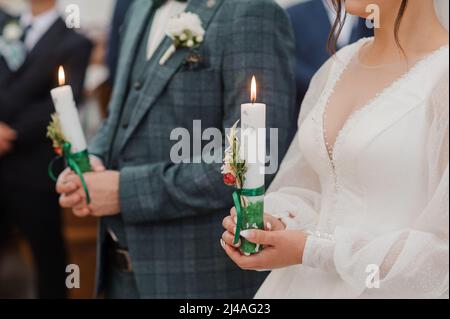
[160, 75]
[41, 47]
[132, 38]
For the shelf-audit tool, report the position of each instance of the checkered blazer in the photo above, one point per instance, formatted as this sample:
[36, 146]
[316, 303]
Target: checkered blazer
[173, 212]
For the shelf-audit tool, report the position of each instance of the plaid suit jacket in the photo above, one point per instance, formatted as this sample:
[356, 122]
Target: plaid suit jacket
[173, 212]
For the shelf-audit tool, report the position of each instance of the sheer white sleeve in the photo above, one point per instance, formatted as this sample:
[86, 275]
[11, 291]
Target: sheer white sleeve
[294, 195]
[412, 262]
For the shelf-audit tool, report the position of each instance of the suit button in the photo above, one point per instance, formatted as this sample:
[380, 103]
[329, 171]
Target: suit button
[137, 85]
[125, 125]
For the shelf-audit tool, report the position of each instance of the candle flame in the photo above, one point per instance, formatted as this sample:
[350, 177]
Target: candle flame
[61, 76]
[253, 93]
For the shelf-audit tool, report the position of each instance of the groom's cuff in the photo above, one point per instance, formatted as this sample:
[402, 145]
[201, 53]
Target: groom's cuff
[129, 195]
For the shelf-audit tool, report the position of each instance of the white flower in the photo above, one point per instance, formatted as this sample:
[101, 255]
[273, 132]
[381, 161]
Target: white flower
[186, 31]
[199, 38]
[12, 32]
[183, 37]
[227, 169]
[186, 21]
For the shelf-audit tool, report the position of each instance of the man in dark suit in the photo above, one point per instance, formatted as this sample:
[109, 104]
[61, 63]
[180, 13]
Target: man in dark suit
[312, 22]
[28, 202]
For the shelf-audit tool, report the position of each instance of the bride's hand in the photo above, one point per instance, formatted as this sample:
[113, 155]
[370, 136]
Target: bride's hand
[281, 249]
[229, 223]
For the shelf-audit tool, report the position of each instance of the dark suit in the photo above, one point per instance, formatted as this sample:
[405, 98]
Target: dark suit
[28, 200]
[312, 27]
[171, 213]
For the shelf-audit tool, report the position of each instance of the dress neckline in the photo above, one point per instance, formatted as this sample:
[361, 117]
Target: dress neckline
[339, 71]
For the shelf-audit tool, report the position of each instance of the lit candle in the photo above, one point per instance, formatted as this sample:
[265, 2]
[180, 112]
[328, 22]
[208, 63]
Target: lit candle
[68, 114]
[253, 139]
[253, 136]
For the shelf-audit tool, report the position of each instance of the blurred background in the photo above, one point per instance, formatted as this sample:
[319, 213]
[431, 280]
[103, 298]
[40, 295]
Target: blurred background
[19, 269]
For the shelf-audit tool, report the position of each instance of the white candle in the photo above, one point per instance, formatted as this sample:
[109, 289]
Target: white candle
[68, 114]
[253, 139]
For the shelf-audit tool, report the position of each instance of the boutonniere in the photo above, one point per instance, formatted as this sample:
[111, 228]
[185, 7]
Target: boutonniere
[186, 31]
[12, 32]
[11, 47]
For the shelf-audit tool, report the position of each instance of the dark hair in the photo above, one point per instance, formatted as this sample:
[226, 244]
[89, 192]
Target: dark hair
[338, 25]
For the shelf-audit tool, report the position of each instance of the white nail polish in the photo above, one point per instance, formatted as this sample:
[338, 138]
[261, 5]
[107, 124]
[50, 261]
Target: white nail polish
[269, 226]
[245, 233]
[235, 219]
[222, 243]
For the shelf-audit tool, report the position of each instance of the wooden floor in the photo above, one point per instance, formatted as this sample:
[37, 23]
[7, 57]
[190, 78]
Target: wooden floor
[81, 236]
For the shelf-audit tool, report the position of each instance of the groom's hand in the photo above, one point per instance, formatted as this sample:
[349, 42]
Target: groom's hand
[65, 187]
[103, 188]
[7, 137]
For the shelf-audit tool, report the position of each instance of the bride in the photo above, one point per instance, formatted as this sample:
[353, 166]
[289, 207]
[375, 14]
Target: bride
[360, 208]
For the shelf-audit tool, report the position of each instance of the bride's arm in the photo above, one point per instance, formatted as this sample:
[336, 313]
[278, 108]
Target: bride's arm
[297, 203]
[412, 262]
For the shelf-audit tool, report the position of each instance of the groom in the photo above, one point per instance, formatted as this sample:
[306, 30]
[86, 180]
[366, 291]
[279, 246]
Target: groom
[160, 220]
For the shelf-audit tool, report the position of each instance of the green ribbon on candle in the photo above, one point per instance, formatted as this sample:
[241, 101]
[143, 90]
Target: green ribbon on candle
[237, 195]
[78, 162]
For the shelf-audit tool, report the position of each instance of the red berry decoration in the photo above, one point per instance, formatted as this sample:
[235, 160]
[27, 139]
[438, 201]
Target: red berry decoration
[229, 179]
[58, 151]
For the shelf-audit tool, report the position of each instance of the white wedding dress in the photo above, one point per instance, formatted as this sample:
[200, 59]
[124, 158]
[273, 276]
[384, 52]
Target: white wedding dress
[382, 203]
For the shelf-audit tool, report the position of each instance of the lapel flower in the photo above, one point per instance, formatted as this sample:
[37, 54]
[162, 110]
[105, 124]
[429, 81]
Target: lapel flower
[186, 31]
[12, 32]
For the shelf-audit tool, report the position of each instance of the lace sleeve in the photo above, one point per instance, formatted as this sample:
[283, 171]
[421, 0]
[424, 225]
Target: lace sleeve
[412, 262]
[294, 195]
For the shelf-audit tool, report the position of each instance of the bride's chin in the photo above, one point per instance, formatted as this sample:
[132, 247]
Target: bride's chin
[358, 7]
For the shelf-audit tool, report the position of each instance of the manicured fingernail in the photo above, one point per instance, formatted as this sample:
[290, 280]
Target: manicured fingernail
[235, 219]
[238, 244]
[269, 226]
[222, 243]
[246, 234]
